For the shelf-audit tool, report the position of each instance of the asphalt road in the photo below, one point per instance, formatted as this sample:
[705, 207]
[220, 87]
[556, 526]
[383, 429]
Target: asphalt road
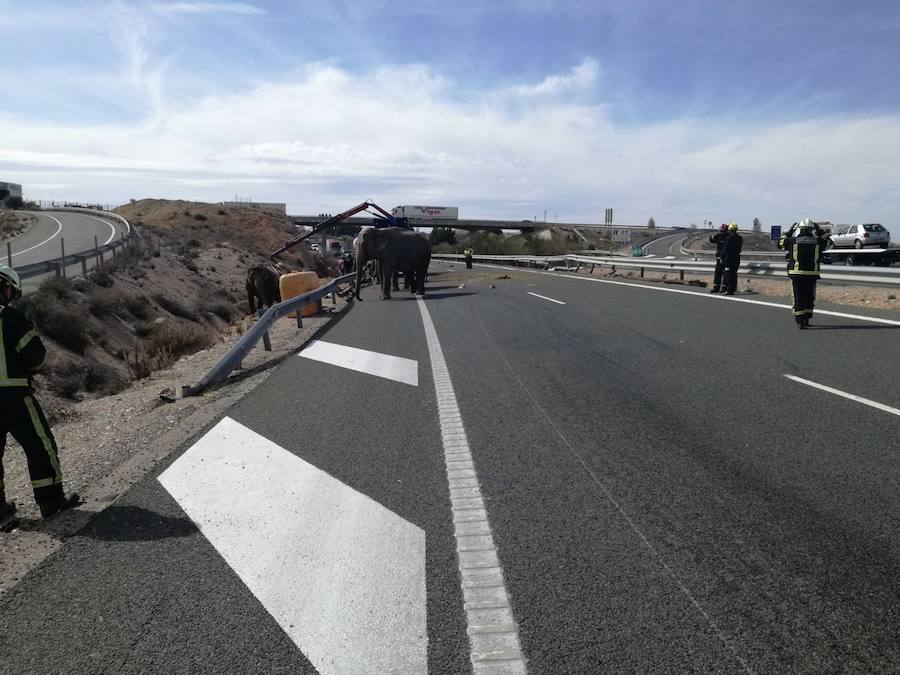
[668, 246]
[42, 241]
[662, 497]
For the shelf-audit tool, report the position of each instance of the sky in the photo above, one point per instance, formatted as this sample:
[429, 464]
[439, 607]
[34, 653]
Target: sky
[683, 111]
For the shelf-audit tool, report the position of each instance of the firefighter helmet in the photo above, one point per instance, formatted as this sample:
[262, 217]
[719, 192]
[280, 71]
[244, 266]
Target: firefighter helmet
[723, 227]
[733, 227]
[9, 277]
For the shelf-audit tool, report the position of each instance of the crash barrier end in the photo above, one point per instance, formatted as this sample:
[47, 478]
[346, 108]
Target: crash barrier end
[251, 337]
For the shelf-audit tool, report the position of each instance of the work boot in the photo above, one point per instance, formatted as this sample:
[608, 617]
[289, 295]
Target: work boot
[714, 290]
[7, 510]
[69, 502]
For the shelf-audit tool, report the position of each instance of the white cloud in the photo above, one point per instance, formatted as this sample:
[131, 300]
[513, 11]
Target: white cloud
[327, 139]
[580, 78]
[206, 8]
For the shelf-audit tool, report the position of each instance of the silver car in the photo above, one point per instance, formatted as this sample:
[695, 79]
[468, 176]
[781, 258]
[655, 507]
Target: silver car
[857, 236]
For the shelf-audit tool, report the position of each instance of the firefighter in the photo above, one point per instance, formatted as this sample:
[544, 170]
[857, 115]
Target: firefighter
[733, 245]
[468, 254]
[803, 245]
[21, 354]
[719, 240]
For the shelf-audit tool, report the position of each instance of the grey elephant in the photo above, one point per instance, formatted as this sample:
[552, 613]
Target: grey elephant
[395, 249]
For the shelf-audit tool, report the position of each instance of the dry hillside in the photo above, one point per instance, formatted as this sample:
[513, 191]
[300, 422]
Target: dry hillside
[175, 291]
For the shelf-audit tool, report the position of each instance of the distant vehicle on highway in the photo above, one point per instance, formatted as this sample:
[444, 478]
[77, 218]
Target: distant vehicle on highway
[859, 236]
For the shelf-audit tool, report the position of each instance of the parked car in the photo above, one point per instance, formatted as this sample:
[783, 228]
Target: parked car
[858, 236]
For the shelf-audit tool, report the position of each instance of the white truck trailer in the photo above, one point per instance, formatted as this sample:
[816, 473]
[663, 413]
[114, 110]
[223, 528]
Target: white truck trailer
[426, 212]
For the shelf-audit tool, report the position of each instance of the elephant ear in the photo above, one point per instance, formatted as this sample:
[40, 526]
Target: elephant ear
[380, 240]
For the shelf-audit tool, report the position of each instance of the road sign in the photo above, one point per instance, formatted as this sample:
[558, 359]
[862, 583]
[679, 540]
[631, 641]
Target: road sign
[776, 232]
[621, 234]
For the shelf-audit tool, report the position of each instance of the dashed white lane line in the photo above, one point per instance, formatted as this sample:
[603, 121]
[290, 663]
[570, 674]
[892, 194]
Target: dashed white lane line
[343, 576]
[705, 296]
[50, 238]
[363, 361]
[844, 394]
[493, 632]
[544, 297]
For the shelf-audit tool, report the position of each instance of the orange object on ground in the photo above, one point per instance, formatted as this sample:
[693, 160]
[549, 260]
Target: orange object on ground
[298, 283]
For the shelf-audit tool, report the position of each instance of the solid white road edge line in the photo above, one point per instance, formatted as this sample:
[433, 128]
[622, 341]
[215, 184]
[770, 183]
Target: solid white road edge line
[844, 394]
[492, 629]
[50, 238]
[364, 361]
[342, 575]
[111, 227]
[706, 296]
[544, 297]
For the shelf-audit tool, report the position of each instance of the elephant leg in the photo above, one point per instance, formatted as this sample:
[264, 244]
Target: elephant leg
[387, 275]
[395, 280]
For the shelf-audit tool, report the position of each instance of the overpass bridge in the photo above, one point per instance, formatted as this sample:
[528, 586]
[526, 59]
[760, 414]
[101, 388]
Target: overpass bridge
[524, 226]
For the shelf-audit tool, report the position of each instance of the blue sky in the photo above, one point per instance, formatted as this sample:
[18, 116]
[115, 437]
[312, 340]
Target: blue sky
[505, 108]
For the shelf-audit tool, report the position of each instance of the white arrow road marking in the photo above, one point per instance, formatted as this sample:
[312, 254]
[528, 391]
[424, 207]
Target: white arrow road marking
[544, 297]
[852, 397]
[361, 360]
[343, 576]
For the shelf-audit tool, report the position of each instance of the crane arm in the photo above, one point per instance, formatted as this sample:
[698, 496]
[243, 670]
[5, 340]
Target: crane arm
[334, 220]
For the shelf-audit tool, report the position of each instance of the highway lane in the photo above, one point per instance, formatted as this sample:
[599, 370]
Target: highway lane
[668, 246]
[654, 505]
[42, 241]
[694, 527]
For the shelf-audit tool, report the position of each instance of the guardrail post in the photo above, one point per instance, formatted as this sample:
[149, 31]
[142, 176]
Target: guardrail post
[299, 319]
[98, 259]
[642, 273]
[334, 297]
[681, 275]
[62, 260]
[83, 266]
[267, 344]
[592, 268]
[9, 253]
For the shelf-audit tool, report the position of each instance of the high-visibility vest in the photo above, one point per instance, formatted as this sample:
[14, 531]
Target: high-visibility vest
[21, 350]
[804, 251]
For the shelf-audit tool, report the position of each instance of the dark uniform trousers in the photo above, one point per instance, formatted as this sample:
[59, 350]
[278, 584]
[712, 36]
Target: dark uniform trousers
[730, 280]
[803, 290]
[717, 276]
[23, 419]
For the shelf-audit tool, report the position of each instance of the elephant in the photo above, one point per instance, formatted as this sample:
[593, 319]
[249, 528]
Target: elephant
[396, 249]
[263, 286]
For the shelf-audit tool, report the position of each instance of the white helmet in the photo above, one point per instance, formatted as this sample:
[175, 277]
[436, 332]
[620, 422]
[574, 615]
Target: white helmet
[806, 223]
[10, 276]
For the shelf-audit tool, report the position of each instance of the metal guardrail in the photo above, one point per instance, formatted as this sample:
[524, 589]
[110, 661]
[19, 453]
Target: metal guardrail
[58, 265]
[878, 276]
[259, 331]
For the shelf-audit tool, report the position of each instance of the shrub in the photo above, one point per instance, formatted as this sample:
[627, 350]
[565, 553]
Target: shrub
[53, 310]
[105, 302]
[199, 216]
[165, 343]
[138, 307]
[222, 212]
[175, 307]
[102, 379]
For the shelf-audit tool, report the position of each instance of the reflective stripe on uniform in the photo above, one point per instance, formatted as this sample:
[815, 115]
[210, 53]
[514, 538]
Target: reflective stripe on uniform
[45, 482]
[801, 273]
[28, 337]
[2, 353]
[45, 440]
[14, 382]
